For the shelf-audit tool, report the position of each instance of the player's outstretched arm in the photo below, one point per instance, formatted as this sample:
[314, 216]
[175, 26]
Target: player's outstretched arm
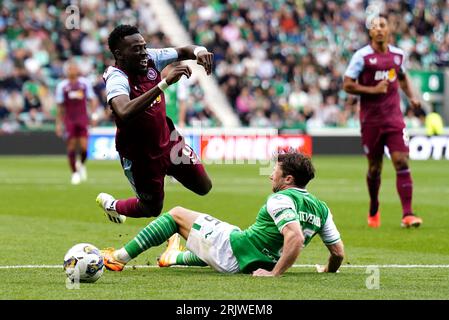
[351, 86]
[337, 254]
[198, 53]
[126, 109]
[293, 242]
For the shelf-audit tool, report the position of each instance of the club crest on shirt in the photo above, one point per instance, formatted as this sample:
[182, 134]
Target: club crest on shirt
[397, 60]
[152, 74]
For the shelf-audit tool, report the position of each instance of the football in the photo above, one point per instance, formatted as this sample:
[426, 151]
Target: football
[83, 263]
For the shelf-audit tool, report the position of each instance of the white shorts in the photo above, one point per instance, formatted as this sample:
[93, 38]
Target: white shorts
[209, 240]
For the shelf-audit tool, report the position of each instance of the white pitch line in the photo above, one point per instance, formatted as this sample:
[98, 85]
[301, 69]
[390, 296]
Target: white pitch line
[391, 266]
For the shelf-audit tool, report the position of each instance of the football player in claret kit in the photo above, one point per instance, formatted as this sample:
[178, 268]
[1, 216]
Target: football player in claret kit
[148, 144]
[72, 120]
[376, 72]
[286, 223]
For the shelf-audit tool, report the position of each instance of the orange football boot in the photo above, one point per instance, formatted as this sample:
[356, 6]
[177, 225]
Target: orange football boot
[174, 248]
[411, 221]
[110, 262]
[374, 221]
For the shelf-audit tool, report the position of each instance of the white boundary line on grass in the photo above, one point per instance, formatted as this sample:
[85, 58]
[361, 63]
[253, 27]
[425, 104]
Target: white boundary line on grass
[392, 266]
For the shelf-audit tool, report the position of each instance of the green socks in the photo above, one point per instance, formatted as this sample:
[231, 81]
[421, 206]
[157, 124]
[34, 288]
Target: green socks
[154, 234]
[187, 258]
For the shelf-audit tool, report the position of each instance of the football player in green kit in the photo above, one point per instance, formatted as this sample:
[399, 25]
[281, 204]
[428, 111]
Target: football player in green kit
[285, 224]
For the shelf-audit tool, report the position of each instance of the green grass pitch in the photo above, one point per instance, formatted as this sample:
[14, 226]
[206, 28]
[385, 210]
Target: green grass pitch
[42, 216]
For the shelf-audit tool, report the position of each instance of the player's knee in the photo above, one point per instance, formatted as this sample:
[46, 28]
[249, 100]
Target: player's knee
[177, 212]
[374, 171]
[401, 164]
[205, 187]
[71, 146]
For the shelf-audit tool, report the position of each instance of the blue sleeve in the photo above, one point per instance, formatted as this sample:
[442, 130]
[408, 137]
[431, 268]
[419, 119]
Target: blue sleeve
[116, 84]
[404, 64]
[355, 66]
[162, 57]
[90, 94]
[59, 94]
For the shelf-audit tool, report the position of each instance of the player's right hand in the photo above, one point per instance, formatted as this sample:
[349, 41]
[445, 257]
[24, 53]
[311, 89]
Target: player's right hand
[177, 73]
[381, 87]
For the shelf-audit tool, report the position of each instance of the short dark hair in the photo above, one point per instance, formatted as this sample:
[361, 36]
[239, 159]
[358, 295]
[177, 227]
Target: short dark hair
[119, 33]
[298, 165]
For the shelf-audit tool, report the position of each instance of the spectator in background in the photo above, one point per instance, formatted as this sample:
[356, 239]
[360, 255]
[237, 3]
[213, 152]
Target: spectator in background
[308, 44]
[4, 112]
[244, 105]
[176, 97]
[35, 43]
[256, 44]
[434, 124]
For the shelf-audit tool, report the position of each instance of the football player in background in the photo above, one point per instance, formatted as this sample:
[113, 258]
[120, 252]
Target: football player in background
[176, 97]
[287, 222]
[148, 144]
[376, 72]
[72, 121]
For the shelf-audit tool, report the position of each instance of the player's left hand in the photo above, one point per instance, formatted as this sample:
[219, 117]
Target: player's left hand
[415, 103]
[262, 273]
[322, 269]
[205, 59]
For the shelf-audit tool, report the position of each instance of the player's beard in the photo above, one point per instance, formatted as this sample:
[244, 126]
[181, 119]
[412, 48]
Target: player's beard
[276, 188]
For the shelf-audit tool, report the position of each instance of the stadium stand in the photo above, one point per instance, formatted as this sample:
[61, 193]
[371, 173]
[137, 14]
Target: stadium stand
[280, 63]
[35, 43]
[283, 61]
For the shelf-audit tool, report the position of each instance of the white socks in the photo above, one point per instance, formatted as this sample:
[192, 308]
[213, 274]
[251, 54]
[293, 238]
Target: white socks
[122, 255]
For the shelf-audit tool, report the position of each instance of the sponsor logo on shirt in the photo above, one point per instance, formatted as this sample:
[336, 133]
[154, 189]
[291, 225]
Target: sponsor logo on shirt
[385, 75]
[75, 94]
[372, 60]
[156, 101]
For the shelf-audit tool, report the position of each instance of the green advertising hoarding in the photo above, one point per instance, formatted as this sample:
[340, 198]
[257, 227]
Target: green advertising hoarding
[428, 81]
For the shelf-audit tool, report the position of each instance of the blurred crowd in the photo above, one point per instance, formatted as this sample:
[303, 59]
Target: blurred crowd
[280, 63]
[38, 37]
